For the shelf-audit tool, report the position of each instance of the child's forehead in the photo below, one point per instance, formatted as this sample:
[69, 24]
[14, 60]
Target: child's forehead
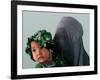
[35, 44]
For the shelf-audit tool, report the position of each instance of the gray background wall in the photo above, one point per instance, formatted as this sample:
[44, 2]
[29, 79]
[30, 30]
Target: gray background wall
[34, 21]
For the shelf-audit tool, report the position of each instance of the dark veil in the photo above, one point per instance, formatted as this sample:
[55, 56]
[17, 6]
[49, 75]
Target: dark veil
[69, 44]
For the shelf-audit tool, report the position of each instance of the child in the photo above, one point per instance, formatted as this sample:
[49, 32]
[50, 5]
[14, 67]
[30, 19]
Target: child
[41, 49]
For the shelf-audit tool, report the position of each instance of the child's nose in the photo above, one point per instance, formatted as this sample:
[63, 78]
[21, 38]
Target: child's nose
[39, 52]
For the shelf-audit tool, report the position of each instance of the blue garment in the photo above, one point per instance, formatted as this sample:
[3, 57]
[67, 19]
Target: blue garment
[69, 44]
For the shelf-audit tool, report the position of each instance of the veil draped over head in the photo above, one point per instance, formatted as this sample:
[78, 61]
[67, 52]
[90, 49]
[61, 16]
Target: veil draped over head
[69, 44]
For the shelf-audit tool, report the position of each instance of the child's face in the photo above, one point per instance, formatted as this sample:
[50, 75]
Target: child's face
[39, 53]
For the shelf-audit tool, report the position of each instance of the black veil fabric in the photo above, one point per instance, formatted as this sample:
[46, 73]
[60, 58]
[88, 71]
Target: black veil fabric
[69, 44]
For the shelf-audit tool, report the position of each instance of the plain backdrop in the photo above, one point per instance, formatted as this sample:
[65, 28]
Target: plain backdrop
[5, 40]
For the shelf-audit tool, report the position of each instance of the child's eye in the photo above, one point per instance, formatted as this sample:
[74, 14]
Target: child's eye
[34, 50]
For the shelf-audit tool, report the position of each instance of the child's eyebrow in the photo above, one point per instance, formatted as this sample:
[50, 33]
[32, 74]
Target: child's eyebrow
[33, 47]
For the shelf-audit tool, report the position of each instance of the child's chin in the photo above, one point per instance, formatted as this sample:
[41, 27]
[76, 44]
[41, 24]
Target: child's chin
[41, 61]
